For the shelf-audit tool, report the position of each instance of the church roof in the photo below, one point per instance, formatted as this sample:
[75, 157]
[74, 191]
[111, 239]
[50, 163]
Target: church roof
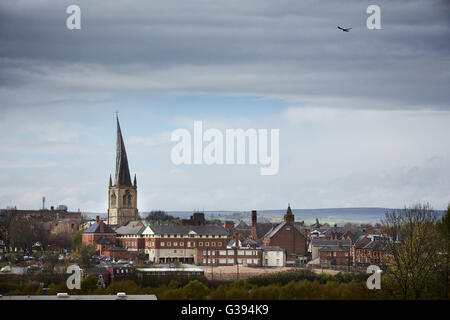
[123, 177]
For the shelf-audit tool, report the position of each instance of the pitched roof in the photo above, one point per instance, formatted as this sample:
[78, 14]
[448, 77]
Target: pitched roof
[123, 177]
[375, 245]
[133, 227]
[262, 229]
[95, 228]
[104, 241]
[186, 230]
[241, 225]
[334, 248]
[325, 242]
[274, 230]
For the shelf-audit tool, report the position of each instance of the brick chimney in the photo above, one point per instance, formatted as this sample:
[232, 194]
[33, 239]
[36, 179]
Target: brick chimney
[102, 227]
[97, 219]
[254, 223]
[236, 240]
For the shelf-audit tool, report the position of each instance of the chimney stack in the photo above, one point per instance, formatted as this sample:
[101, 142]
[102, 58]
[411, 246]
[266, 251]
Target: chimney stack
[97, 219]
[254, 223]
[236, 240]
[102, 227]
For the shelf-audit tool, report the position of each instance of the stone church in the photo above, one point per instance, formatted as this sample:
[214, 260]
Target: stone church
[122, 195]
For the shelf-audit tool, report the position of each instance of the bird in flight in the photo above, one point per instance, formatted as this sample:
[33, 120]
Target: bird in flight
[344, 29]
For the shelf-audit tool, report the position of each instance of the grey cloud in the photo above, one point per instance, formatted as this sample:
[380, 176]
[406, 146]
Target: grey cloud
[286, 49]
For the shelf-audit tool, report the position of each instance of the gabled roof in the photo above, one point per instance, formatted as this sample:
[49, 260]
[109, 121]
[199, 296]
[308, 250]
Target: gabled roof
[95, 228]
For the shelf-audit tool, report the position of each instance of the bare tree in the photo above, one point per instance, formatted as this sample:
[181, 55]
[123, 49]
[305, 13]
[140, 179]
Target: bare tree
[412, 244]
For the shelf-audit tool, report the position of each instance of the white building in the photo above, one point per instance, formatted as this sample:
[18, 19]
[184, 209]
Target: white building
[273, 257]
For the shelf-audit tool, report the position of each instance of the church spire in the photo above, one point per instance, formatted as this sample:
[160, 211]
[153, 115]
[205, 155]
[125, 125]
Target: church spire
[289, 216]
[122, 171]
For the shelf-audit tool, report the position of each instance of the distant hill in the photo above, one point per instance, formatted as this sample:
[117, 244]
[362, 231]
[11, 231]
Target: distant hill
[329, 215]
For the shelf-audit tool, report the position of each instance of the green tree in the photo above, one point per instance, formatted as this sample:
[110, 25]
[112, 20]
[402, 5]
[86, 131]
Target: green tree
[127, 286]
[195, 290]
[89, 284]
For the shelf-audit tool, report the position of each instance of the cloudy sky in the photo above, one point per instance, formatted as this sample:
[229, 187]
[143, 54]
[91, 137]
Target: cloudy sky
[363, 116]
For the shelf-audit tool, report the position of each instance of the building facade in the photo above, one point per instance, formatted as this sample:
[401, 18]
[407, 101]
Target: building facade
[286, 236]
[178, 243]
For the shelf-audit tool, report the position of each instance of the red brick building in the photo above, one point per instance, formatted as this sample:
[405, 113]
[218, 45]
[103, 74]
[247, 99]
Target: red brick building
[178, 243]
[97, 231]
[372, 252]
[130, 237]
[335, 256]
[288, 237]
[229, 256]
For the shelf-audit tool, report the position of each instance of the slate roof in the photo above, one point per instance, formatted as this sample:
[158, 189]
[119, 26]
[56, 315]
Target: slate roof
[132, 228]
[104, 241]
[334, 248]
[272, 248]
[185, 230]
[262, 229]
[274, 230]
[95, 228]
[251, 242]
[242, 225]
[375, 245]
[325, 242]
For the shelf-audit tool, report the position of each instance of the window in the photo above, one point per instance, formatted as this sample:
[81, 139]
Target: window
[207, 244]
[219, 244]
[162, 244]
[231, 261]
[181, 244]
[213, 244]
[200, 244]
[278, 262]
[168, 244]
[175, 244]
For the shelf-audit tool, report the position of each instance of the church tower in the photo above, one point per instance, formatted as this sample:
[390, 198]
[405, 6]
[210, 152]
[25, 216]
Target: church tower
[289, 216]
[122, 195]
